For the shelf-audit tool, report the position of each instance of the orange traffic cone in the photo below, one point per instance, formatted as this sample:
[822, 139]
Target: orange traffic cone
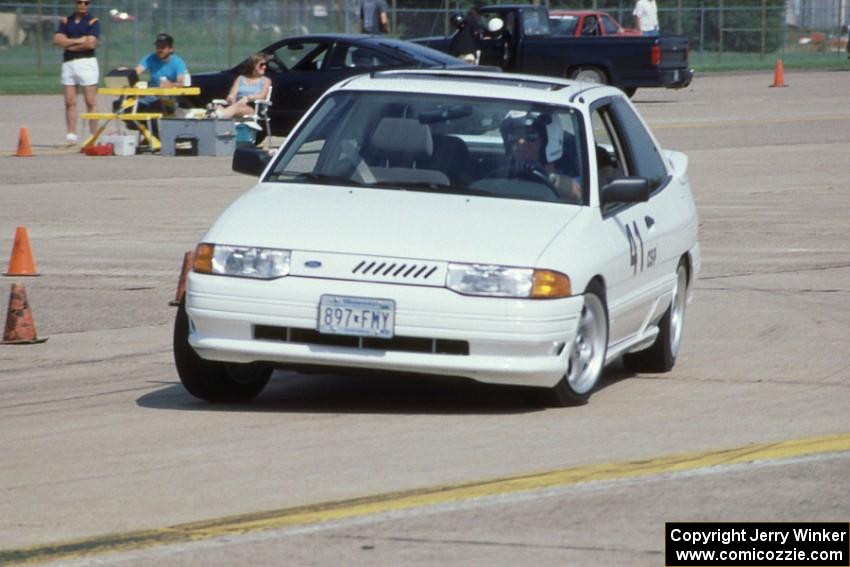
[20, 329]
[779, 75]
[21, 262]
[24, 146]
[188, 259]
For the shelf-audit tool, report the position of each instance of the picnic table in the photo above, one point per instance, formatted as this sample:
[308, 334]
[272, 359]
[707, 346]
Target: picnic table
[128, 110]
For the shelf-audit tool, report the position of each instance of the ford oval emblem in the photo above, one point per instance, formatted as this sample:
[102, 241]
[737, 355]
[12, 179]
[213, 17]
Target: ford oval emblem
[313, 264]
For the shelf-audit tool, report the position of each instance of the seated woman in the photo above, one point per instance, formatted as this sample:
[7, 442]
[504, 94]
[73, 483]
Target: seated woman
[248, 87]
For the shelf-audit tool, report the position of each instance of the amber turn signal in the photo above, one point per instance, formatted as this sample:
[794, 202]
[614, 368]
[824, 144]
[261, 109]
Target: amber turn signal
[548, 285]
[203, 258]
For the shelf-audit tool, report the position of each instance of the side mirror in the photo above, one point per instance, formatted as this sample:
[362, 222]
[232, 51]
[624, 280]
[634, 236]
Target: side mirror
[626, 190]
[495, 25]
[250, 160]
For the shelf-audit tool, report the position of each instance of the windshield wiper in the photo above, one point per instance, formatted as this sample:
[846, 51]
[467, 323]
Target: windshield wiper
[427, 187]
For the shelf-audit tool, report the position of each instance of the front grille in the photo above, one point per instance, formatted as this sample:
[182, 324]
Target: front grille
[397, 343]
[399, 270]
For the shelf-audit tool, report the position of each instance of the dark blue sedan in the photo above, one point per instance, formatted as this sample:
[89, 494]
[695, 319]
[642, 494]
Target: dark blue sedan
[302, 68]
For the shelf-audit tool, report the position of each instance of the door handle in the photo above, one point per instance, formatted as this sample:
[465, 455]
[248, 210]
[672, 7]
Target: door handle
[650, 222]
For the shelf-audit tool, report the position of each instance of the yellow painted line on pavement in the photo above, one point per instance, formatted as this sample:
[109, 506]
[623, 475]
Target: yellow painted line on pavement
[752, 122]
[407, 500]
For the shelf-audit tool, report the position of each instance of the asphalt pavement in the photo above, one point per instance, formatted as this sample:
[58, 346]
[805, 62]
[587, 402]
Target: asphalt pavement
[102, 450]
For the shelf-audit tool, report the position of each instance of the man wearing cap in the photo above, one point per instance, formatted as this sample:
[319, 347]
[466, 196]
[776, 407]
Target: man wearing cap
[534, 145]
[77, 35]
[166, 69]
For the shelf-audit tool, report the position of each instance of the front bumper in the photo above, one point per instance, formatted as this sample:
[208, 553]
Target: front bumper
[510, 341]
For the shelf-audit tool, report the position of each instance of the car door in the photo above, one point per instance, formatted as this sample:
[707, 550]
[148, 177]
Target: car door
[667, 212]
[629, 229]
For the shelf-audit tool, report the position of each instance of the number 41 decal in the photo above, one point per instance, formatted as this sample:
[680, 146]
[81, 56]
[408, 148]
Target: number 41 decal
[635, 240]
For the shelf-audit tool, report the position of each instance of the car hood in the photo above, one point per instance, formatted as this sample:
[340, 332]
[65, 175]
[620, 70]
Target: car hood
[406, 224]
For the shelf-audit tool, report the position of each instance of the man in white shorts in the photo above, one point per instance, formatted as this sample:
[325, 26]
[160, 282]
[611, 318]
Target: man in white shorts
[77, 35]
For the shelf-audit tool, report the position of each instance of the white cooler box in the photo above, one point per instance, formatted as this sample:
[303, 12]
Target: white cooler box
[122, 144]
[206, 137]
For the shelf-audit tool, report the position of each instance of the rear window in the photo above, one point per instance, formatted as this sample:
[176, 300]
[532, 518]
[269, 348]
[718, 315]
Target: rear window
[563, 25]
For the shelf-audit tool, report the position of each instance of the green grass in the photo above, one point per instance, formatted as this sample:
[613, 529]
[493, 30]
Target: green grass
[25, 79]
[715, 62]
[20, 75]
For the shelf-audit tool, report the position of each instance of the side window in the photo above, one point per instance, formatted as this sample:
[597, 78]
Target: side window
[646, 156]
[301, 56]
[610, 155]
[535, 22]
[611, 27]
[364, 58]
[590, 26]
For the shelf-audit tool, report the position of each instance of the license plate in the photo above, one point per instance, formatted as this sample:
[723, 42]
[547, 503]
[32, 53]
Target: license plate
[356, 316]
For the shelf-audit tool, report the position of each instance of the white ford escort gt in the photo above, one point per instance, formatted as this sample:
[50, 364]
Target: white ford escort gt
[505, 228]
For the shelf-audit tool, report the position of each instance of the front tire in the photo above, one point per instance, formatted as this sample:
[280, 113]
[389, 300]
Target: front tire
[661, 356]
[587, 352]
[214, 381]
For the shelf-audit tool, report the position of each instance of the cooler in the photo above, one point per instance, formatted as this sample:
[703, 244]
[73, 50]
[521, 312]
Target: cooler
[209, 137]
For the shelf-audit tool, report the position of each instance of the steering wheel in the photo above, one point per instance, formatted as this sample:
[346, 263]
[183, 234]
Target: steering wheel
[275, 61]
[532, 171]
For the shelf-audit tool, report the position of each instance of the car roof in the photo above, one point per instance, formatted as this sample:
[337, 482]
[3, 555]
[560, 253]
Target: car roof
[481, 84]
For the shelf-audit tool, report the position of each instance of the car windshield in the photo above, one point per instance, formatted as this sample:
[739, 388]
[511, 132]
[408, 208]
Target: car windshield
[441, 144]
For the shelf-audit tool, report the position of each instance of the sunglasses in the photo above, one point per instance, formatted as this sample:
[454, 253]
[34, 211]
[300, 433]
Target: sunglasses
[527, 136]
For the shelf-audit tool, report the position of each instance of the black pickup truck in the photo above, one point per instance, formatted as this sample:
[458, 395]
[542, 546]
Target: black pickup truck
[517, 38]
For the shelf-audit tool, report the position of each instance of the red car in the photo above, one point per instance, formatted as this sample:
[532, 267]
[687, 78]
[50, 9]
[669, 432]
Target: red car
[586, 23]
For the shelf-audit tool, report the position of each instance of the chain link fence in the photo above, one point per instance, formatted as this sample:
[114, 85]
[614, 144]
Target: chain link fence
[215, 34]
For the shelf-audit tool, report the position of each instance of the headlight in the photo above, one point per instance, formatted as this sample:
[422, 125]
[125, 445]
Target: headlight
[241, 261]
[501, 281]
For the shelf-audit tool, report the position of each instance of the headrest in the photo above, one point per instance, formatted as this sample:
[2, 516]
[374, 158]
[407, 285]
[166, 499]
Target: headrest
[402, 137]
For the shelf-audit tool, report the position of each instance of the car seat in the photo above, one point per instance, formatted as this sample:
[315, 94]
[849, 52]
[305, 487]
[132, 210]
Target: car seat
[606, 167]
[400, 150]
[451, 156]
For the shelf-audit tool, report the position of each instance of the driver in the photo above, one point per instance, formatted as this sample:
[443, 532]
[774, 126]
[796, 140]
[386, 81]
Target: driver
[534, 144]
